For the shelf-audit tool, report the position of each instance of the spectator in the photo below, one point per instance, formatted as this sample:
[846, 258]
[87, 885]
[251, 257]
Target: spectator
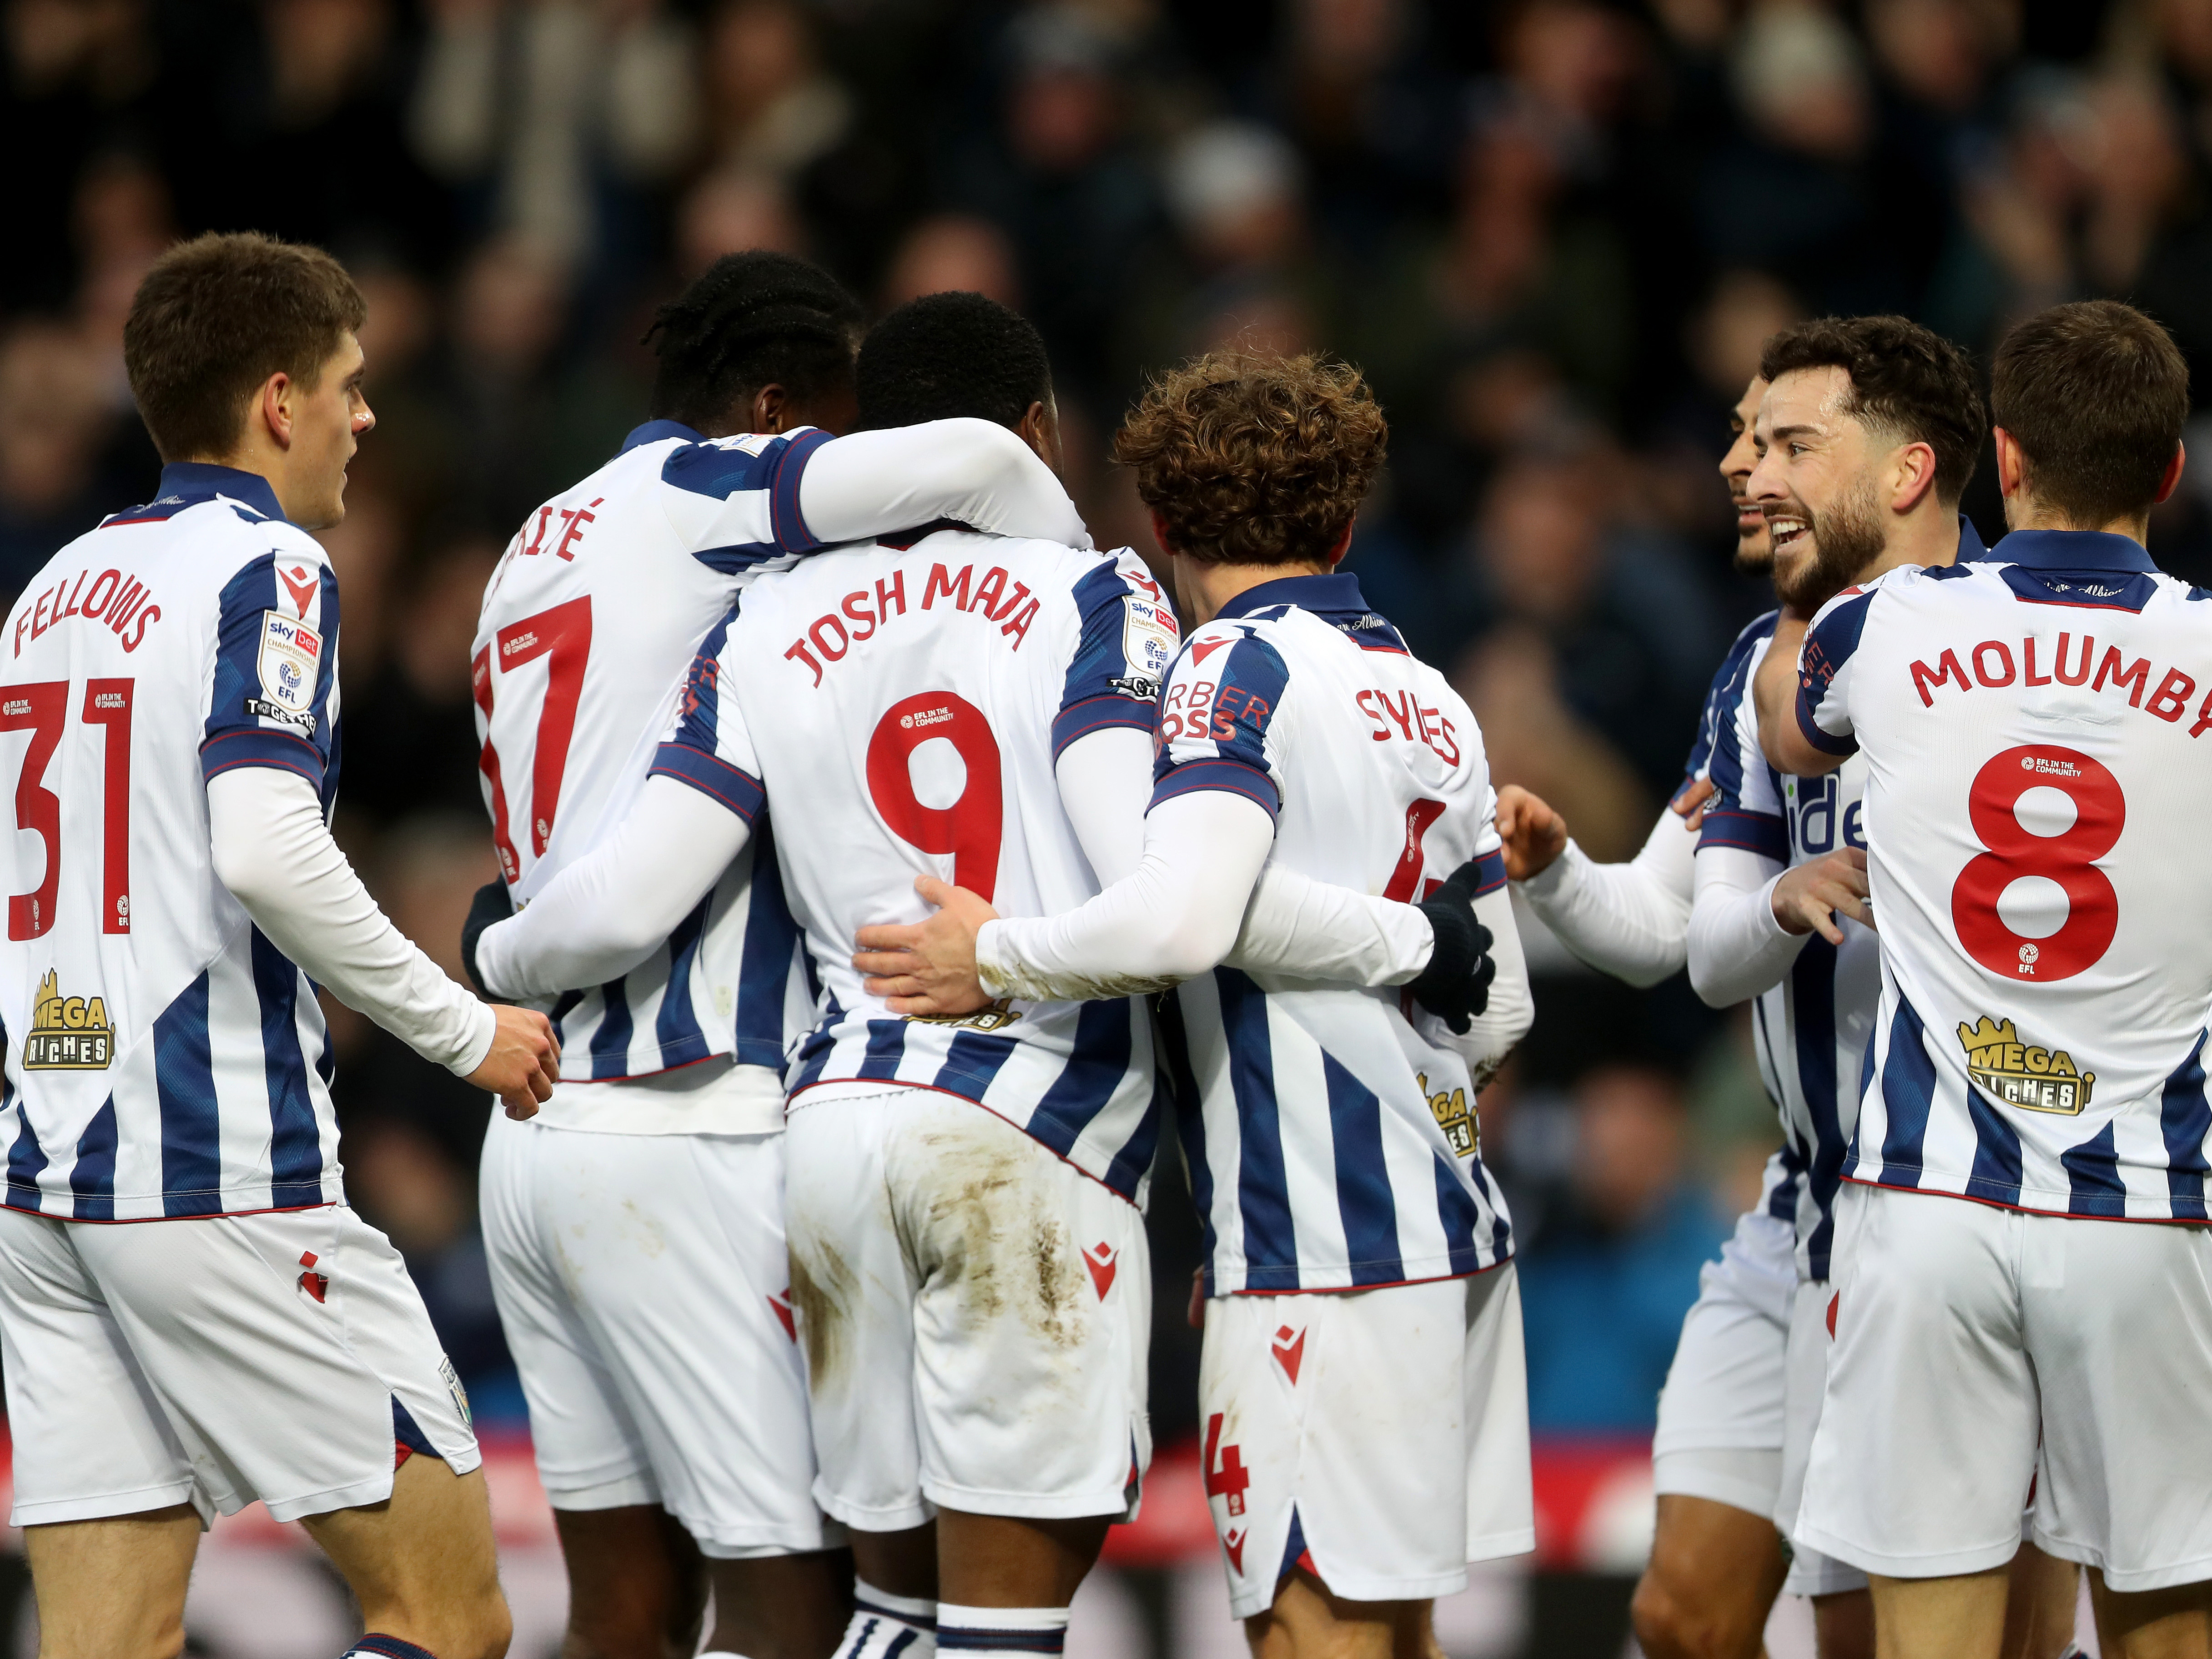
[1605, 1284]
[772, 108]
[54, 421]
[953, 253]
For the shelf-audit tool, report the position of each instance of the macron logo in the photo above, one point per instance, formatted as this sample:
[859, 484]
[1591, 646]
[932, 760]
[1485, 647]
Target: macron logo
[1201, 649]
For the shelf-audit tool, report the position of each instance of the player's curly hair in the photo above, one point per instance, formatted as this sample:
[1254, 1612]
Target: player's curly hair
[749, 321]
[1906, 379]
[1251, 459]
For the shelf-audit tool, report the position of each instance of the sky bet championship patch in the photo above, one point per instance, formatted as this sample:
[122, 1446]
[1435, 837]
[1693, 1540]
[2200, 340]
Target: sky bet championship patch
[291, 653]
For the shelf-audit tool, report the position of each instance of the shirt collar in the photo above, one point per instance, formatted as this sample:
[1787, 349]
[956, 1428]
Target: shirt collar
[1971, 546]
[2072, 550]
[203, 480]
[1338, 591]
[653, 431]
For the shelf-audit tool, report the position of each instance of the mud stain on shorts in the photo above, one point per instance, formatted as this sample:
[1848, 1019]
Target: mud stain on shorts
[821, 1291]
[994, 1227]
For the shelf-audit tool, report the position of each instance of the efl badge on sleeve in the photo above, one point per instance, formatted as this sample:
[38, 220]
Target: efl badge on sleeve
[1149, 642]
[291, 658]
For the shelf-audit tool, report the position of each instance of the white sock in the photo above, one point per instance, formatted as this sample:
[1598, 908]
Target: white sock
[887, 1626]
[989, 1632]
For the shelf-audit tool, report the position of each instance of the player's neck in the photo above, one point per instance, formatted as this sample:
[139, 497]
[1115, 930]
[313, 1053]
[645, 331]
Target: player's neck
[1205, 589]
[266, 461]
[2023, 512]
[1929, 535]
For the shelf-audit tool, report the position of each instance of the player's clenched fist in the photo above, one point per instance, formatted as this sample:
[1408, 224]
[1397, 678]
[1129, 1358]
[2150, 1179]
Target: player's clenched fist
[524, 1062]
[1807, 896]
[1532, 830]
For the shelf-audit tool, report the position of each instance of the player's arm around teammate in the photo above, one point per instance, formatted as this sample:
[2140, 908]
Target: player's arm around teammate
[195, 1358]
[1334, 1544]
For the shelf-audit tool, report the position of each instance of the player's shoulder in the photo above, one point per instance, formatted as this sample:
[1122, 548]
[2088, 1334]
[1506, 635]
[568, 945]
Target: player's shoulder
[721, 467]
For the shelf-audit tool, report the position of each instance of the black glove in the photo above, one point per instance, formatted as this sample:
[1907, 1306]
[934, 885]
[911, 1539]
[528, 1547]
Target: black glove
[491, 904]
[1455, 984]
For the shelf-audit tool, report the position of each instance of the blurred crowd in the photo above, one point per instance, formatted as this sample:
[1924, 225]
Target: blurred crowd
[1552, 233]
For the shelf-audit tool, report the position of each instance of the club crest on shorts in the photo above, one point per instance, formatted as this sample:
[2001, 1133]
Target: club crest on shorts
[452, 1379]
[68, 1034]
[1453, 1117]
[2020, 1074]
[291, 656]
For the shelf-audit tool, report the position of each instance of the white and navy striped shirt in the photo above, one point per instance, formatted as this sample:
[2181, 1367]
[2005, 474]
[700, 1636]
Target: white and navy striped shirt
[1330, 1131]
[2032, 727]
[902, 709]
[588, 625]
[163, 1058]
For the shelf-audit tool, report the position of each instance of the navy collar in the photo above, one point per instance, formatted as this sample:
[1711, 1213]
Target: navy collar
[2072, 550]
[1970, 542]
[201, 481]
[1338, 591]
[653, 431]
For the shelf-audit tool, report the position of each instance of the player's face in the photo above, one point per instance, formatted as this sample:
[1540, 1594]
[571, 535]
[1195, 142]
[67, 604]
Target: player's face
[327, 423]
[1754, 552]
[1814, 481]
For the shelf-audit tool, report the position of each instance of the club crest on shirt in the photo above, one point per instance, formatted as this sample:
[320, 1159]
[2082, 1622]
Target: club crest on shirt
[68, 1034]
[2020, 1074]
[1453, 1117]
[291, 655]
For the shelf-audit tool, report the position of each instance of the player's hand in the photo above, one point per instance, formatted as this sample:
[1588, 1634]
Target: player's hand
[1455, 984]
[1689, 803]
[1533, 832]
[525, 1061]
[1807, 898]
[493, 903]
[928, 968]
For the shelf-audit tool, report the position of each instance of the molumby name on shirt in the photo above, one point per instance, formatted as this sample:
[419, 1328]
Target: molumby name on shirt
[997, 596]
[112, 599]
[2162, 692]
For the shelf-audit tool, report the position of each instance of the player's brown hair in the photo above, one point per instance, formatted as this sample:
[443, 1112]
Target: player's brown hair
[2094, 393]
[1908, 380]
[1252, 458]
[217, 316]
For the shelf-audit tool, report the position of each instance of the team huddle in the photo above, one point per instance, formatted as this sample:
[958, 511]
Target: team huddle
[885, 872]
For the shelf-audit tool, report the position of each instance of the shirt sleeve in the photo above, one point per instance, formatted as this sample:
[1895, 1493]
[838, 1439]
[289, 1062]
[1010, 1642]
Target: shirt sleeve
[1217, 710]
[709, 747]
[1746, 811]
[1631, 921]
[274, 697]
[745, 504]
[1824, 672]
[1127, 641]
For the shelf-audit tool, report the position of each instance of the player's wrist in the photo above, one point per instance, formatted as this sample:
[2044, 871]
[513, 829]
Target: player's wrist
[990, 973]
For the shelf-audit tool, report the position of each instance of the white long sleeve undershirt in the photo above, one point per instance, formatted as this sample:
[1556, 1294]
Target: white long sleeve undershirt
[273, 851]
[1631, 921]
[1178, 914]
[1737, 949]
[977, 472]
[607, 912]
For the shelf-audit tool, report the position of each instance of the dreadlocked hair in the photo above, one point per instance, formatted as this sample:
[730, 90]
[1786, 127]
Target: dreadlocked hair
[751, 319]
[951, 354]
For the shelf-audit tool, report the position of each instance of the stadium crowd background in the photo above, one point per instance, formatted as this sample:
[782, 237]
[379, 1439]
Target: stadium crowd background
[1552, 233]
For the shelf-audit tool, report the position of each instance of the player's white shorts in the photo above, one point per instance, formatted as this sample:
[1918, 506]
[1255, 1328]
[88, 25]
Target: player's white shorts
[1379, 1438]
[1721, 1415]
[1812, 1570]
[975, 1313]
[644, 1287]
[215, 1361]
[1962, 1330]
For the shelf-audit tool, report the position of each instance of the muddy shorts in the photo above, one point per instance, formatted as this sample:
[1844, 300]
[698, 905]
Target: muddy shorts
[973, 1313]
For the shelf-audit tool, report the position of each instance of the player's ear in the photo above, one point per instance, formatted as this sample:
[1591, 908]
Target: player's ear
[272, 409]
[769, 408]
[1913, 477]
